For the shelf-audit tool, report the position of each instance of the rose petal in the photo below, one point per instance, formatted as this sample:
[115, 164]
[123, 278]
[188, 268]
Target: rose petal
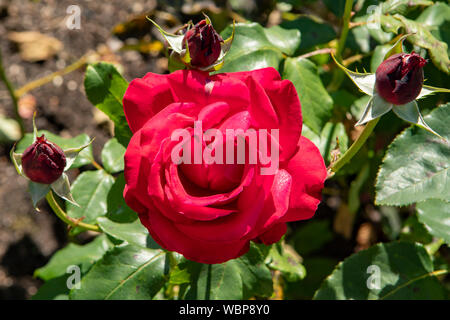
[146, 97]
[308, 173]
[173, 239]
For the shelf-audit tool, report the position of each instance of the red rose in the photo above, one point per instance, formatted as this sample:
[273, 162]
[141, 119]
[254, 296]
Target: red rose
[211, 212]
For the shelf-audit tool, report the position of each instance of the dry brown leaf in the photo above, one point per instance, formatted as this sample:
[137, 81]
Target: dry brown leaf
[35, 46]
[366, 236]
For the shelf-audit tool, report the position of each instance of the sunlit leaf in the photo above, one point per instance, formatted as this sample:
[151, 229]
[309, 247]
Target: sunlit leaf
[416, 165]
[388, 271]
[435, 215]
[124, 273]
[317, 105]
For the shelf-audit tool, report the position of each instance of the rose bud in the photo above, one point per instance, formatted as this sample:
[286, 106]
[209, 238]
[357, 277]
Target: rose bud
[204, 44]
[399, 79]
[43, 161]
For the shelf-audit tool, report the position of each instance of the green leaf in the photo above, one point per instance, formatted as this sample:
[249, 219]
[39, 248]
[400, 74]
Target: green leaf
[105, 88]
[53, 289]
[73, 254]
[118, 210]
[317, 105]
[313, 31]
[435, 15]
[285, 40]
[284, 258]
[240, 278]
[83, 158]
[435, 215]
[405, 271]
[415, 231]
[416, 164]
[253, 47]
[133, 233]
[437, 18]
[90, 191]
[312, 236]
[112, 156]
[124, 273]
[402, 6]
[317, 270]
[422, 37]
[378, 56]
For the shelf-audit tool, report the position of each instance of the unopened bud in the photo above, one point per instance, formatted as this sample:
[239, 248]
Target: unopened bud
[204, 44]
[43, 161]
[399, 79]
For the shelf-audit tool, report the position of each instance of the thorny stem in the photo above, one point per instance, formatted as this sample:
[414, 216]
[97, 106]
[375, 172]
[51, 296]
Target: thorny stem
[354, 148]
[338, 74]
[96, 164]
[61, 214]
[345, 27]
[13, 96]
[316, 52]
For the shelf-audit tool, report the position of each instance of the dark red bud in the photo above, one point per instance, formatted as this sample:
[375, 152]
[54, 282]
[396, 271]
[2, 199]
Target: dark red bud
[204, 44]
[43, 161]
[399, 79]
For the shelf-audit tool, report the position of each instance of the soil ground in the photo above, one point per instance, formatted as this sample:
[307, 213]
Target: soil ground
[28, 238]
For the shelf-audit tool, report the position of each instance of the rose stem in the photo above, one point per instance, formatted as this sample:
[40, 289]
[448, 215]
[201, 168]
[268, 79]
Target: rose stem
[41, 81]
[354, 148]
[65, 218]
[13, 97]
[338, 75]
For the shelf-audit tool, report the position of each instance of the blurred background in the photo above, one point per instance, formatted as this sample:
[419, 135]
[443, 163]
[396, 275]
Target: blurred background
[36, 41]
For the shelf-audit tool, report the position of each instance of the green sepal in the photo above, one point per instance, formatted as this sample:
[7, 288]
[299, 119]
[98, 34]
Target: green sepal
[175, 41]
[376, 107]
[364, 81]
[397, 47]
[410, 112]
[62, 189]
[185, 56]
[35, 131]
[38, 191]
[16, 159]
[427, 90]
[72, 153]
